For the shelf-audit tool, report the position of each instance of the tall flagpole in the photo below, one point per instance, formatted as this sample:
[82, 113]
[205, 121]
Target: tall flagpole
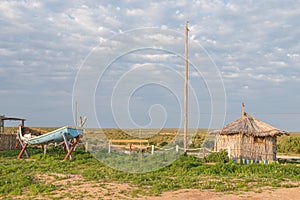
[185, 126]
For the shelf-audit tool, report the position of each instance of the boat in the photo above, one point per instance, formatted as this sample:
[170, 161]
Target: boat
[53, 136]
[30, 136]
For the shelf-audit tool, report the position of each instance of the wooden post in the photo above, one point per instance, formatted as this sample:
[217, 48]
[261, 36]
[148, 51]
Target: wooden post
[185, 89]
[17, 144]
[22, 144]
[86, 146]
[67, 145]
[22, 151]
[1, 125]
[203, 153]
[76, 140]
[176, 148]
[45, 149]
[152, 149]
[64, 147]
[109, 147]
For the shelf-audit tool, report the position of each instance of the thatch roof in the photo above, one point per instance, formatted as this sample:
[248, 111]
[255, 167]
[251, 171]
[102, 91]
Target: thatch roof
[249, 125]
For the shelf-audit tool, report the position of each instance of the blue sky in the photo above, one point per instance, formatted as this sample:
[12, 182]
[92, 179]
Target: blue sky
[241, 51]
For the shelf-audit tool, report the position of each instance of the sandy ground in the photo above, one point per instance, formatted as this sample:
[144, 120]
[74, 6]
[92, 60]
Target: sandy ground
[282, 194]
[75, 187]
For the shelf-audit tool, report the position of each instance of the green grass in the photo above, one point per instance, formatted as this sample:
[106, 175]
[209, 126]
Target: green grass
[18, 177]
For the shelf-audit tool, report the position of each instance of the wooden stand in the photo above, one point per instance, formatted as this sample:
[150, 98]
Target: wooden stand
[76, 140]
[22, 151]
[66, 146]
[23, 145]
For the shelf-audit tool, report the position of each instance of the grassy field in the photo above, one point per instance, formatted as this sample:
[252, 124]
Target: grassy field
[47, 176]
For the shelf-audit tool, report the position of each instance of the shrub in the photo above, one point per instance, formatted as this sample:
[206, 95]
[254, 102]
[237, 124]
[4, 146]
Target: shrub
[289, 145]
[220, 157]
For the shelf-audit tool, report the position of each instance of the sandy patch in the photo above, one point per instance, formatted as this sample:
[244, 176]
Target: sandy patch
[75, 187]
[280, 194]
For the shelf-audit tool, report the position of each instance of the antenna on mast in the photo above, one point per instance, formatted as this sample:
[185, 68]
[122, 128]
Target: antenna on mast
[82, 120]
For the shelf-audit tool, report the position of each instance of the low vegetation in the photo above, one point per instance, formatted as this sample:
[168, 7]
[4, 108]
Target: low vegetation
[289, 145]
[21, 177]
[219, 157]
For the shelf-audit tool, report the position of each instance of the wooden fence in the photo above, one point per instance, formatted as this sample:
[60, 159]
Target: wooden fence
[7, 141]
[149, 149]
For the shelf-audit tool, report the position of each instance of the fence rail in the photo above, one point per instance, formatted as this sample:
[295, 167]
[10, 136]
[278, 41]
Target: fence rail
[150, 149]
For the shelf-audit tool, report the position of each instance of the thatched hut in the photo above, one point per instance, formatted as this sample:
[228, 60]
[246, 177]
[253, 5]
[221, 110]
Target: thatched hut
[248, 138]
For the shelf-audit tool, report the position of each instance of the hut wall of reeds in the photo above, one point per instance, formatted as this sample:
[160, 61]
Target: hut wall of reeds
[247, 147]
[248, 138]
[7, 141]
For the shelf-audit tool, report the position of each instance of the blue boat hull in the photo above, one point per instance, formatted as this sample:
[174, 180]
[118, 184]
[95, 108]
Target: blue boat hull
[55, 136]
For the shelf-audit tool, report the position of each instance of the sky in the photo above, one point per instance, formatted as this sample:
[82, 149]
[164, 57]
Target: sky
[123, 62]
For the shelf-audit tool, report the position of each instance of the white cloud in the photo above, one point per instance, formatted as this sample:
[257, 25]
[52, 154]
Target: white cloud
[253, 43]
[272, 78]
[246, 87]
[278, 63]
[135, 12]
[293, 56]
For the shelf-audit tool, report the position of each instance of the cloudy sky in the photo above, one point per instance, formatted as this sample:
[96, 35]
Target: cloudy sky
[128, 60]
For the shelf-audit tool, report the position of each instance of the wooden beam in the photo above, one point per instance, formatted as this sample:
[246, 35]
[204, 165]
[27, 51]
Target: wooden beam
[130, 147]
[67, 145]
[76, 140]
[21, 143]
[185, 112]
[129, 141]
[22, 151]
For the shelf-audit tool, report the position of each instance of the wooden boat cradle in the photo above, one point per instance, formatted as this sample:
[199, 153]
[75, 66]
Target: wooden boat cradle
[67, 146]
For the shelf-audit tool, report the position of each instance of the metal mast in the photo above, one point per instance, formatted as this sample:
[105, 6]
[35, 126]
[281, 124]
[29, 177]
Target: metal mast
[185, 88]
[76, 113]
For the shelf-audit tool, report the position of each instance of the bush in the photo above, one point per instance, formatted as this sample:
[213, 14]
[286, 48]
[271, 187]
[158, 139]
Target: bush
[197, 140]
[186, 162]
[289, 145]
[220, 157]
